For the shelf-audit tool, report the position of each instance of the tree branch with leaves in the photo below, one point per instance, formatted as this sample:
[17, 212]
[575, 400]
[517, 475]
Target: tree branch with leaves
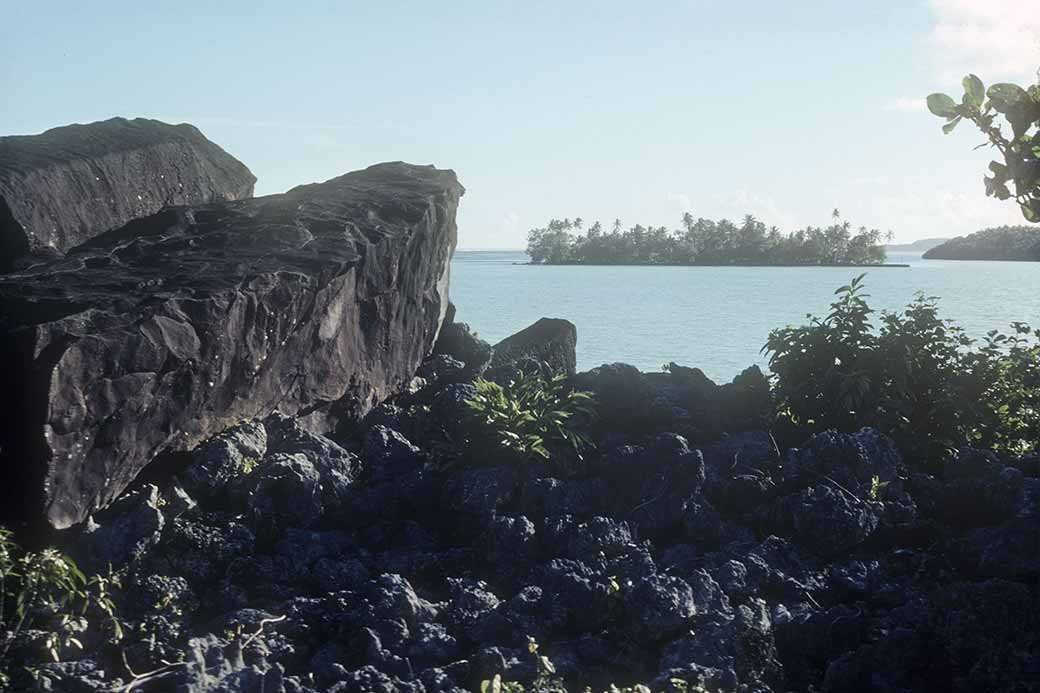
[1020, 108]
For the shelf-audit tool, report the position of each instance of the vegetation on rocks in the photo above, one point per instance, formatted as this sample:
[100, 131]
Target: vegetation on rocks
[45, 595]
[912, 375]
[548, 682]
[531, 413]
[704, 242]
[689, 550]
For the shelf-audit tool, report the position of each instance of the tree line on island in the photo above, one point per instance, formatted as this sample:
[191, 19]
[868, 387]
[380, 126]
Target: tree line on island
[704, 242]
[999, 243]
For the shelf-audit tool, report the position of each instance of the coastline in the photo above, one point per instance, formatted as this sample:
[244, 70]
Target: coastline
[648, 264]
[974, 259]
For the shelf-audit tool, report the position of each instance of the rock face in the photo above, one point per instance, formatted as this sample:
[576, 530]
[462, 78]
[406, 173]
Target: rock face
[67, 185]
[319, 302]
[550, 340]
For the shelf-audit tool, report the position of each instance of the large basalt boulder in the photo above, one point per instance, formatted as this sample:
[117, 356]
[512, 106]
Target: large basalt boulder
[551, 341]
[319, 303]
[67, 185]
[458, 341]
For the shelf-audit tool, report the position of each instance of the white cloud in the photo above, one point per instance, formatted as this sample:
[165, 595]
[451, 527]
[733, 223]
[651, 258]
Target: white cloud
[869, 180]
[924, 213]
[257, 123]
[733, 205]
[680, 200]
[509, 224]
[736, 204]
[907, 105]
[998, 40]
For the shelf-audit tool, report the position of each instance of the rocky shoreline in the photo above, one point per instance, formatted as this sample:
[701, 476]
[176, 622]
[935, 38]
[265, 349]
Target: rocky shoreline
[256, 425]
[688, 551]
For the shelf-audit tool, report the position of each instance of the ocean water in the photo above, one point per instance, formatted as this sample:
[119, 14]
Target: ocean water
[717, 318]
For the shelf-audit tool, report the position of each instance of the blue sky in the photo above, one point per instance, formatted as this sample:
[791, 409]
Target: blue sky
[550, 109]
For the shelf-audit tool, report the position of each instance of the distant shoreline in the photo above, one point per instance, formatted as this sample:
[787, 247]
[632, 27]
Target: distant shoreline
[962, 259]
[654, 264]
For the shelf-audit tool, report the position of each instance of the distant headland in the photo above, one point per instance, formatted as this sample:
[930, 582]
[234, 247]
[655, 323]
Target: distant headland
[922, 245]
[999, 243]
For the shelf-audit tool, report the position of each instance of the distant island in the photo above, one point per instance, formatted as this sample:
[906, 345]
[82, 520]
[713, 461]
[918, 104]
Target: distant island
[923, 245]
[704, 242]
[1000, 243]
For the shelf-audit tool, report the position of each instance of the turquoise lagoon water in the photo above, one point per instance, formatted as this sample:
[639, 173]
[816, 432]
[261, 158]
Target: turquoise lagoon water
[717, 318]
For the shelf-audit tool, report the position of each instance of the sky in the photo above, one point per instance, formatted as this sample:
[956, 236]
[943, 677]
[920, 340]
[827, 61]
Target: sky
[545, 110]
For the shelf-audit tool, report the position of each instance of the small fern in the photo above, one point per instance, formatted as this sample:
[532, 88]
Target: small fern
[531, 413]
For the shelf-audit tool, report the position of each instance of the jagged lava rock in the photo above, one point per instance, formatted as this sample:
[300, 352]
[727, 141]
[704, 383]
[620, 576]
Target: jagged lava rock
[551, 341]
[61, 188]
[318, 302]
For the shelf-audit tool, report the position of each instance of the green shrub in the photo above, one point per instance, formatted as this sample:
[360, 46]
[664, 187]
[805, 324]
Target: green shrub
[45, 590]
[915, 376]
[531, 414]
[1020, 107]
[1010, 364]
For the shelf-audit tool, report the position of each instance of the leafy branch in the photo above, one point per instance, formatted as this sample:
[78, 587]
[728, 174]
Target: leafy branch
[1020, 108]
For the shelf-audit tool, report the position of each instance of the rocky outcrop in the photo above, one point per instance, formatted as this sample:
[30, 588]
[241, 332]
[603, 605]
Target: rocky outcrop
[550, 341]
[319, 302]
[388, 560]
[69, 184]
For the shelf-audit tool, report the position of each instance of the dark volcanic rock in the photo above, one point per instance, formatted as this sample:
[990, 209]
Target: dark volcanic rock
[683, 400]
[622, 395]
[458, 341]
[658, 606]
[122, 532]
[220, 459]
[319, 302]
[366, 567]
[550, 341]
[67, 185]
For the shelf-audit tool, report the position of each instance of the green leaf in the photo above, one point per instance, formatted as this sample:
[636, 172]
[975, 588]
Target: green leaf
[1021, 116]
[942, 105]
[1031, 210]
[1006, 93]
[997, 188]
[974, 91]
[948, 128]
